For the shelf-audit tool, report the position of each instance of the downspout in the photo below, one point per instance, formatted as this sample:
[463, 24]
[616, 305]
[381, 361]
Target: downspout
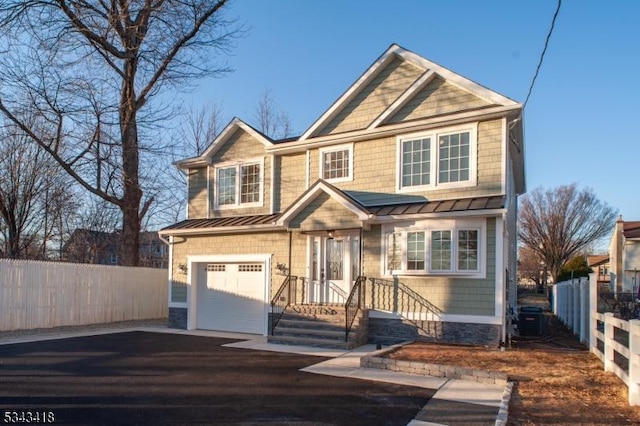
[363, 294]
[272, 195]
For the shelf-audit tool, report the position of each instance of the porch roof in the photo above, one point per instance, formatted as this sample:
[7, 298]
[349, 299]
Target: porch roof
[221, 223]
[269, 221]
[440, 206]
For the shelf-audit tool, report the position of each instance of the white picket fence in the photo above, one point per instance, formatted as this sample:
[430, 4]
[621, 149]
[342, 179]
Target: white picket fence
[46, 294]
[615, 341]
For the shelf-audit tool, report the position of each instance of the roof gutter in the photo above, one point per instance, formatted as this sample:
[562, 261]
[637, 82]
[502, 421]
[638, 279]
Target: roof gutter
[436, 215]
[221, 230]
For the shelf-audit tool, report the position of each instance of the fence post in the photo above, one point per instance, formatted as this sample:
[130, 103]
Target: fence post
[593, 309]
[584, 310]
[634, 362]
[569, 317]
[608, 340]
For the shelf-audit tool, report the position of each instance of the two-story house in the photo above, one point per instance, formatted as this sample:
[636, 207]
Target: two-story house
[98, 247]
[398, 201]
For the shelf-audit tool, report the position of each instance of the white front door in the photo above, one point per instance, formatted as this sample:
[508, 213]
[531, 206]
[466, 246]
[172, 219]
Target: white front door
[334, 264]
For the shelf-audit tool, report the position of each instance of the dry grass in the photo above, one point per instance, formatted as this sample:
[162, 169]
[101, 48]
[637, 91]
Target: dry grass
[557, 380]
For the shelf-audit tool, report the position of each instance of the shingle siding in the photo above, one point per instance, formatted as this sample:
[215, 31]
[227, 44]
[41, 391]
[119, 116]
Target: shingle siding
[197, 193]
[437, 98]
[291, 177]
[240, 146]
[324, 213]
[377, 96]
[375, 168]
[275, 243]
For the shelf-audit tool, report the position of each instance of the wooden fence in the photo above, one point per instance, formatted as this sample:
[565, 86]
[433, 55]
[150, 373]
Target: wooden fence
[46, 294]
[615, 341]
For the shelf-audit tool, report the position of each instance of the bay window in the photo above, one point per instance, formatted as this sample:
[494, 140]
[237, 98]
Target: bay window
[444, 247]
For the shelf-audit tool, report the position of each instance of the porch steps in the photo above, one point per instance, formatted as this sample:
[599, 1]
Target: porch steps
[318, 326]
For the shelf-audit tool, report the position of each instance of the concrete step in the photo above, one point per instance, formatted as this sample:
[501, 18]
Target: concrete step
[311, 320]
[303, 323]
[309, 332]
[316, 325]
[314, 342]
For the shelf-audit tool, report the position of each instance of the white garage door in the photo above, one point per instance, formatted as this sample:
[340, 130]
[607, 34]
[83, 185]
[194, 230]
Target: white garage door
[231, 297]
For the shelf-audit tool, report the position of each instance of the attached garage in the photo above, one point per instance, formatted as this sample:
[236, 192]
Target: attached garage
[231, 294]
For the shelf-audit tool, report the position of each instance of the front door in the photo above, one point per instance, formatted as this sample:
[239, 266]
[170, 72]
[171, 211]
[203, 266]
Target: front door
[334, 264]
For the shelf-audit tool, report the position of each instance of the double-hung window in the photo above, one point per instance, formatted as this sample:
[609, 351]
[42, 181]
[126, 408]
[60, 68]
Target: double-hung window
[336, 163]
[449, 247]
[239, 184]
[439, 158]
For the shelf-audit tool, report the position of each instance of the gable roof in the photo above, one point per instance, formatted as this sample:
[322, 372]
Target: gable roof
[322, 187]
[234, 125]
[430, 70]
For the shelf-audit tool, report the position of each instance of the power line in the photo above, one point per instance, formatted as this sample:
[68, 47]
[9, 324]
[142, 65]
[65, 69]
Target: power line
[546, 44]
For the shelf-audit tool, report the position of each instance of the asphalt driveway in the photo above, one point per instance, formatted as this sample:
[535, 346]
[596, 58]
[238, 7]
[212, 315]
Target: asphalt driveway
[156, 378]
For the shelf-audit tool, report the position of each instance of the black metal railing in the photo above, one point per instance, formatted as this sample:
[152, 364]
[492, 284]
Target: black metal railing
[353, 304]
[394, 296]
[284, 297]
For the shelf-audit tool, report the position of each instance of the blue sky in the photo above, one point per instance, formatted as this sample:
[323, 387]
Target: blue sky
[579, 121]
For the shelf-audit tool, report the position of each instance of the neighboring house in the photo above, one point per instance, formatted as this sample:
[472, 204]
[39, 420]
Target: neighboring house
[624, 256]
[409, 179]
[600, 266]
[96, 247]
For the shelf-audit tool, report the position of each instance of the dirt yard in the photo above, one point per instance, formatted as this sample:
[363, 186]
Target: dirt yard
[557, 380]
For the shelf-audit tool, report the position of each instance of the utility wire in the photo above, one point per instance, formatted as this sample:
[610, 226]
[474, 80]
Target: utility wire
[546, 44]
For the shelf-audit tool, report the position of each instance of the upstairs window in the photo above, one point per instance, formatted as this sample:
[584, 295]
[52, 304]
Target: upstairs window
[437, 159]
[239, 185]
[336, 163]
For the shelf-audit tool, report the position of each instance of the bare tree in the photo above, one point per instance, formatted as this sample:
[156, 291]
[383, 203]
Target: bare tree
[557, 224]
[33, 192]
[530, 265]
[270, 120]
[200, 129]
[90, 71]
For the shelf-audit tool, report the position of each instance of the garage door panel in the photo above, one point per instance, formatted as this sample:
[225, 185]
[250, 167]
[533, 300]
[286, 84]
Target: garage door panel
[231, 297]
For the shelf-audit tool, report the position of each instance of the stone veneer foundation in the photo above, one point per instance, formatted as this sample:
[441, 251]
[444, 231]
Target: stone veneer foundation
[393, 331]
[178, 318]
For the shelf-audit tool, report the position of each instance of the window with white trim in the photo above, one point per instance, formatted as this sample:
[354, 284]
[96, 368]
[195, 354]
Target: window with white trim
[438, 158]
[444, 247]
[336, 163]
[239, 185]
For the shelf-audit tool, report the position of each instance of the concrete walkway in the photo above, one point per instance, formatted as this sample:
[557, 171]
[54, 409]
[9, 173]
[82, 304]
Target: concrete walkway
[456, 402]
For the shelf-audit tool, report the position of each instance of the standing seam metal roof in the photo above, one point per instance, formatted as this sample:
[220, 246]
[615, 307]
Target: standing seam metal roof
[439, 206]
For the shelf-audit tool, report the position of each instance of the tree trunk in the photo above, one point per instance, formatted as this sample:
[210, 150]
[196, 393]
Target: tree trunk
[132, 194]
